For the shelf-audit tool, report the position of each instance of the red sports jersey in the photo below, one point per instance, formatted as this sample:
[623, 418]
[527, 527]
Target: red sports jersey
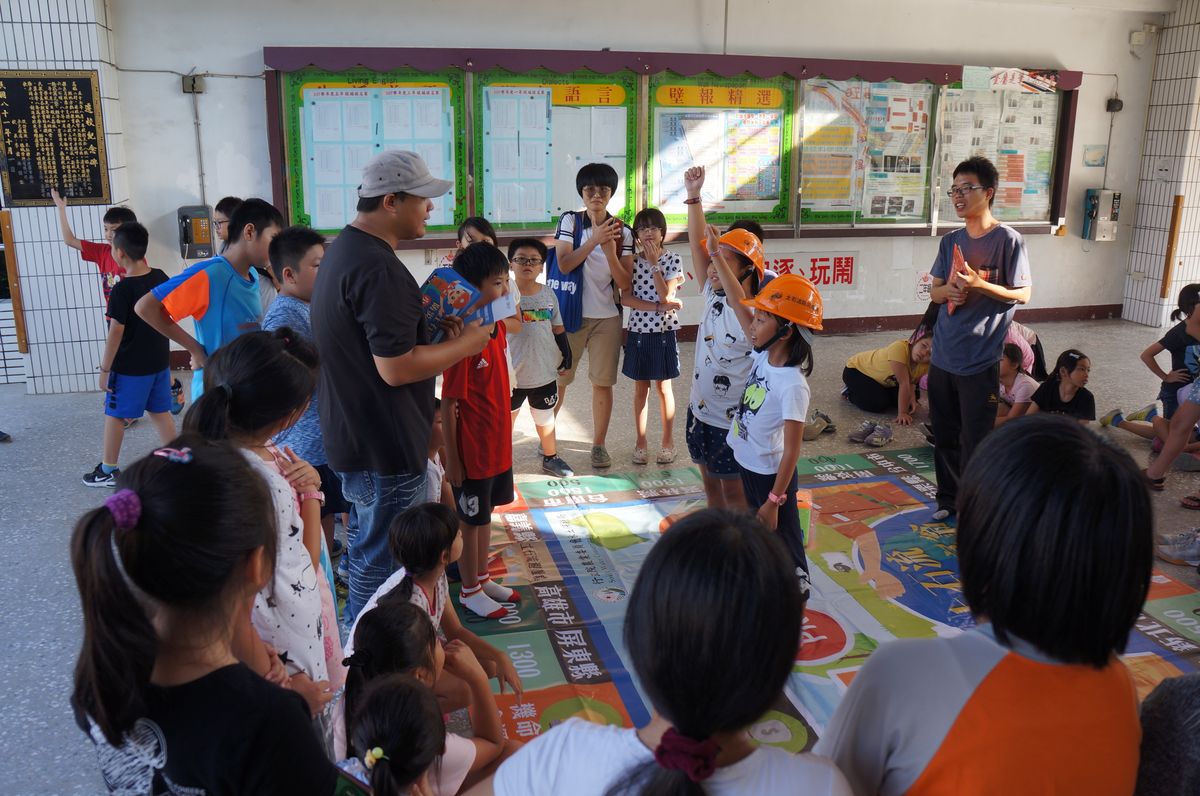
[480, 384]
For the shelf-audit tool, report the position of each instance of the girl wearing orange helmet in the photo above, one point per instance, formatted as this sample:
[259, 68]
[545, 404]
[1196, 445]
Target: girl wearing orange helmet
[722, 353]
[768, 425]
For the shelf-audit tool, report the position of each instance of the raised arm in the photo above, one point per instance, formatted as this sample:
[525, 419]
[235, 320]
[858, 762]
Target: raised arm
[734, 291]
[693, 182]
[68, 235]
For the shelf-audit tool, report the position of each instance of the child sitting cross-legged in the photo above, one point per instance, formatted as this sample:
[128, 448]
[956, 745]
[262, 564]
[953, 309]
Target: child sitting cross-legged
[396, 637]
[396, 736]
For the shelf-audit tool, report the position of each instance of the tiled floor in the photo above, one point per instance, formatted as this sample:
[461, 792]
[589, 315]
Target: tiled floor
[57, 440]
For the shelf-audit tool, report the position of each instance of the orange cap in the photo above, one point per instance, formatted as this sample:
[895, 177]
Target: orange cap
[746, 243]
[792, 297]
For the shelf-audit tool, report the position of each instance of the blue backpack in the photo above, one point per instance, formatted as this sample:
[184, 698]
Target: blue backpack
[568, 288]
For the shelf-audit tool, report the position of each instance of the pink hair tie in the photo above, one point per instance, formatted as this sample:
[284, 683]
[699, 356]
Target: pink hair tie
[125, 507]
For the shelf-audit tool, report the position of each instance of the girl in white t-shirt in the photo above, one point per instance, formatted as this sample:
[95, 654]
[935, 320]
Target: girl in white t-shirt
[1016, 385]
[255, 387]
[712, 629]
[768, 425]
[396, 637]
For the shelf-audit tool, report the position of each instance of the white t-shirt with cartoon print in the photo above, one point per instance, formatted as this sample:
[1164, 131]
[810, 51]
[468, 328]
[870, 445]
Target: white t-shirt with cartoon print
[647, 321]
[771, 395]
[722, 362]
[287, 612]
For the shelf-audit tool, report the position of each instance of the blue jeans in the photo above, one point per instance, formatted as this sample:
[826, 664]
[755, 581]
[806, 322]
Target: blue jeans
[377, 500]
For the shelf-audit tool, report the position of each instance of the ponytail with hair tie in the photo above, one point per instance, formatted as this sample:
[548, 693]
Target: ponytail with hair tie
[677, 752]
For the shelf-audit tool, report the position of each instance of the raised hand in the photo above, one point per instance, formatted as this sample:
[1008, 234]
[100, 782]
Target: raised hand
[693, 181]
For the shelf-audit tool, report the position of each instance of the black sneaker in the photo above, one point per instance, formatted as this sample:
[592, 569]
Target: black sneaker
[555, 466]
[98, 477]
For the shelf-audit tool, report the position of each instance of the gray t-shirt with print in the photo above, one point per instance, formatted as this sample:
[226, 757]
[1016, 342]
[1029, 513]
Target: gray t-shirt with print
[535, 355]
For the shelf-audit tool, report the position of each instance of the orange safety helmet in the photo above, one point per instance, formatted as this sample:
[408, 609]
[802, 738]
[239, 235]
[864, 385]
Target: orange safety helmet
[791, 297]
[747, 244]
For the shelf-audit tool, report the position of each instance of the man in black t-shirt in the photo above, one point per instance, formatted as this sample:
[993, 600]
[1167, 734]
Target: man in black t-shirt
[377, 365]
[134, 367]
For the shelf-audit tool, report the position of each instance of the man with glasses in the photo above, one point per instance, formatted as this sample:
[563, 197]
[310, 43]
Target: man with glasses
[605, 252]
[981, 273]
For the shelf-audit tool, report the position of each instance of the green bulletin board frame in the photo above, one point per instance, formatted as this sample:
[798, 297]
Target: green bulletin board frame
[780, 214]
[542, 77]
[293, 86]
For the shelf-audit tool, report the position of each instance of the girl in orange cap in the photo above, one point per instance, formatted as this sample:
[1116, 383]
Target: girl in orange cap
[768, 425]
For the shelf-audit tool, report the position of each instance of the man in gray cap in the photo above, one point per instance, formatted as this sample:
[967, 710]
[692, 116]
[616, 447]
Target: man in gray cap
[377, 365]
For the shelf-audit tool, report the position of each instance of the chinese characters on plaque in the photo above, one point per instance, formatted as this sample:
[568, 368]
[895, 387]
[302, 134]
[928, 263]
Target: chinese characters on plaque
[52, 136]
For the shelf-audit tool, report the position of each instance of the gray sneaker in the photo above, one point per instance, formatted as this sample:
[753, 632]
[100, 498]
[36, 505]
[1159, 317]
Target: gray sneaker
[600, 457]
[865, 430]
[555, 466]
[881, 436]
[1179, 548]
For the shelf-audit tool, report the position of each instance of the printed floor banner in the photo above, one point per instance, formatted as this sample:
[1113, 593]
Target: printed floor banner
[881, 567]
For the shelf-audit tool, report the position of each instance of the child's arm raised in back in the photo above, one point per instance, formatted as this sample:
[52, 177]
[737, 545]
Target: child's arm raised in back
[68, 235]
[453, 627]
[693, 181]
[734, 291]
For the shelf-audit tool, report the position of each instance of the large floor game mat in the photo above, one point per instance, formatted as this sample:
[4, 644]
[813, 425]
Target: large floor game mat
[881, 569]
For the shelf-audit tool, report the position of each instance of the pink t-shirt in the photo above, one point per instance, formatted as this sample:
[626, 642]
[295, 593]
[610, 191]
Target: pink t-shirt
[1017, 339]
[1024, 386]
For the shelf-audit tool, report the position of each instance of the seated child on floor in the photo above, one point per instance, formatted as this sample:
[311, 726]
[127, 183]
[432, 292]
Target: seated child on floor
[396, 637]
[886, 378]
[395, 737]
[1170, 760]
[712, 629]
[1066, 392]
[1016, 385]
[1054, 522]
[424, 541]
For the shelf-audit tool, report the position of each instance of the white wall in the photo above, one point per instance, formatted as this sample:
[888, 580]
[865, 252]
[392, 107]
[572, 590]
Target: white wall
[226, 36]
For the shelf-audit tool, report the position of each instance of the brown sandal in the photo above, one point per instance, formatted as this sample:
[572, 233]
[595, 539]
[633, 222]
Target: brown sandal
[1190, 502]
[1156, 484]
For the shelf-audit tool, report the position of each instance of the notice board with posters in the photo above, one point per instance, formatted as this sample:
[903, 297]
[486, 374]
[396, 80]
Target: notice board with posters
[739, 129]
[337, 122]
[1011, 117]
[533, 132]
[807, 147]
[866, 151]
[52, 136]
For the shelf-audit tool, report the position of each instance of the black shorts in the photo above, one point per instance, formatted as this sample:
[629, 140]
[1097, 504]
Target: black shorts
[545, 397]
[331, 485]
[477, 497]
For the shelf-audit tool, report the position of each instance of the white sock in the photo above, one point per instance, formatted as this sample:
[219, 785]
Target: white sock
[498, 592]
[479, 603]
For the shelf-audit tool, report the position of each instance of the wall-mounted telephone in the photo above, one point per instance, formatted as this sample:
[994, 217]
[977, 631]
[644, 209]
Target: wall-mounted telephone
[1101, 209]
[195, 232]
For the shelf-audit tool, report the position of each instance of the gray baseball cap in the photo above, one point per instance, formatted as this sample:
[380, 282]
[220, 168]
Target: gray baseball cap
[397, 171]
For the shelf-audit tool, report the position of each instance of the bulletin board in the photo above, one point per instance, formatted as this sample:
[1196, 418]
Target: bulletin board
[336, 122]
[533, 132]
[866, 151]
[808, 147]
[52, 136]
[739, 129]
[1017, 129]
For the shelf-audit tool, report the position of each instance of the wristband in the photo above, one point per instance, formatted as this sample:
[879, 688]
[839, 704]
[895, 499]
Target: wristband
[313, 496]
[778, 500]
[692, 201]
